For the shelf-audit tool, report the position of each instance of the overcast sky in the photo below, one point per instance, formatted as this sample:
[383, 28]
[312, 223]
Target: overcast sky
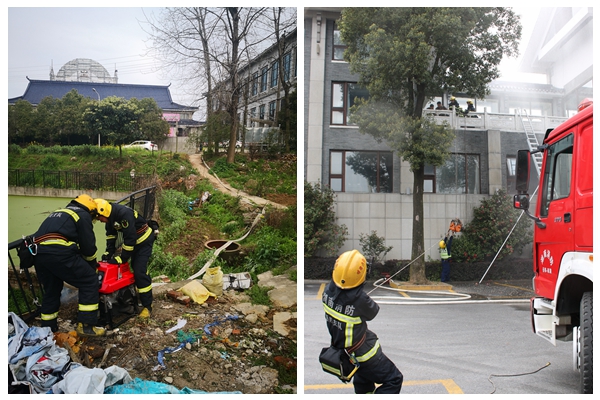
[39, 38]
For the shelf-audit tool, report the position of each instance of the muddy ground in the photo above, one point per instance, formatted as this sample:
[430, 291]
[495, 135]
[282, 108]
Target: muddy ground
[226, 344]
[220, 348]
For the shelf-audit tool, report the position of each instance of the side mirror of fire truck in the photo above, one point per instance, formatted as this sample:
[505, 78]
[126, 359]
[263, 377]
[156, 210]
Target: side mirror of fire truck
[521, 201]
[523, 169]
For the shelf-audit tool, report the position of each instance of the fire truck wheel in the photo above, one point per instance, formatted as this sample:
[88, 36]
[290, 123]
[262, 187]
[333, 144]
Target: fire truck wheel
[586, 357]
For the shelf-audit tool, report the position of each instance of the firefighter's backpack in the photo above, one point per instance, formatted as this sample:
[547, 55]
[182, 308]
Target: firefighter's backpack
[337, 362]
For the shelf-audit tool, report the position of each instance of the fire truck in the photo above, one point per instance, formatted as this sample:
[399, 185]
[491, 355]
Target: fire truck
[562, 308]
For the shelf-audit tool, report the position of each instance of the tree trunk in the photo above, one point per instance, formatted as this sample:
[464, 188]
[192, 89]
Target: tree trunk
[417, 268]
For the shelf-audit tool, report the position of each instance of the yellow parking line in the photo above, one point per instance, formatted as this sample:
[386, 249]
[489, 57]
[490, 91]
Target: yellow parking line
[320, 292]
[450, 386]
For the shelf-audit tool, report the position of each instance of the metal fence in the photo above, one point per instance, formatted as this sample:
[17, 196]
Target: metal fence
[25, 291]
[112, 181]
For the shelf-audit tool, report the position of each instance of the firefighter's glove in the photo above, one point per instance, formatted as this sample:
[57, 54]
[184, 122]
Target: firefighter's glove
[115, 260]
[106, 256]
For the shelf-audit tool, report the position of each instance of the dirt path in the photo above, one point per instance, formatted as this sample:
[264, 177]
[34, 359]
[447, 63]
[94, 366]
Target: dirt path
[198, 163]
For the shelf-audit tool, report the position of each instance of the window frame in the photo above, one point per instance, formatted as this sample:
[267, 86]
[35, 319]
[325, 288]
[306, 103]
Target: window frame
[255, 84]
[345, 108]
[272, 110]
[336, 46]
[264, 79]
[342, 176]
[465, 188]
[274, 73]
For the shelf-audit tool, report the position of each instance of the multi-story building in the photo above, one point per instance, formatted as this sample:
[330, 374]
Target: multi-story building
[264, 79]
[373, 185]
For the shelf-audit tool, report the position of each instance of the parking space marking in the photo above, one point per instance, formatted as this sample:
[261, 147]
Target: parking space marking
[448, 384]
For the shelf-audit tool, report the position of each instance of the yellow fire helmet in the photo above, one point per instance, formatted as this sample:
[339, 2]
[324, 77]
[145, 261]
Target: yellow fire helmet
[452, 98]
[469, 101]
[87, 202]
[442, 244]
[104, 207]
[350, 270]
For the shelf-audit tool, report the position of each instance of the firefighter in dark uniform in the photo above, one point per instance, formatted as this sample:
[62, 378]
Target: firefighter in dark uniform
[65, 251]
[347, 310]
[138, 239]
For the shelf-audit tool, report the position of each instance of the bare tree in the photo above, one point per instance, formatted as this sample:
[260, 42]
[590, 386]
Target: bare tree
[202, 46]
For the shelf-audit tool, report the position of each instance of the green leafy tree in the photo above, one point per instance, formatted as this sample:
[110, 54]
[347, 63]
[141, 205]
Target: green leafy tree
[121, 121]
[492, 222]
[20, 119]
[405, 56]
[45, 120]
[151, 124]
[320, 228]
[217, 128]
[69, 121]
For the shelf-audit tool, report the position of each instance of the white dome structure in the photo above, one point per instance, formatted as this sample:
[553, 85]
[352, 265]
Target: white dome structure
[83, 70]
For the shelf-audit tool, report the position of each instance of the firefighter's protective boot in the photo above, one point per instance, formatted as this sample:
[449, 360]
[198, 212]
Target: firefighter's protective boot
[89, 330]
[146, 312]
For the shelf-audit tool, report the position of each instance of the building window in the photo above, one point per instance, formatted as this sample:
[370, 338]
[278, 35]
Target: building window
[255, 84]
[459, 175]
[252, 116]
[287, 66]
[429, 179]
[511, 173]
[264, 79]
[261, 112]
[338, 46]
[272, 109]
[557, 173]
[361, 171]
[275, 74]
[343, 96]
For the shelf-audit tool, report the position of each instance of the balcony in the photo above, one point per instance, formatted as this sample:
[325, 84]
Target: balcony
[503, 122]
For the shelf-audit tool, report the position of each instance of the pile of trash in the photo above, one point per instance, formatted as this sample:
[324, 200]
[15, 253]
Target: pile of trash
[38, 365]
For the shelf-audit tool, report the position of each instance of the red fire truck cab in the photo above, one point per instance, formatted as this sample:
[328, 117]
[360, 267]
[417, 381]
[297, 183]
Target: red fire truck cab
[563, 237]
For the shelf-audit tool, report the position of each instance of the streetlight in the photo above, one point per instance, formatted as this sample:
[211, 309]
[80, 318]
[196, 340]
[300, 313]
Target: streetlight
[94, 89]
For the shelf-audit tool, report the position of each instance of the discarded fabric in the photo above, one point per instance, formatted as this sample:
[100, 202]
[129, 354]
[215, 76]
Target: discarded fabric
[230, 318]
[180, 324]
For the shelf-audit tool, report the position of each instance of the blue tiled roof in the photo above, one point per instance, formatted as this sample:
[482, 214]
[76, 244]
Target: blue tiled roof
[37, 90]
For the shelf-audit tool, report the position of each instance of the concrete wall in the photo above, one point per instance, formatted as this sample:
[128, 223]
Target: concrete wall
[390, 214]
[64, 193]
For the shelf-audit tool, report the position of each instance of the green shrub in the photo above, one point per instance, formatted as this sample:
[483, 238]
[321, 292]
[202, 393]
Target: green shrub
[373, 247]
[50, 162]
[272, 250]
[162, 263]
[35, 149]
[491, 224]
[320, 229]
[14, 149]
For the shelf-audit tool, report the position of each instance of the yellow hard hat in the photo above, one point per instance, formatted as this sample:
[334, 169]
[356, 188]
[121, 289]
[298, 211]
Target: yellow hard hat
[442, 244]
[452, 98]
[350, 270]
[104, 207]
[469, 101]
[87, 202]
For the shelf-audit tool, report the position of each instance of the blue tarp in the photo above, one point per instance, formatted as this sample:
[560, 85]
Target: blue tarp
[138, 386]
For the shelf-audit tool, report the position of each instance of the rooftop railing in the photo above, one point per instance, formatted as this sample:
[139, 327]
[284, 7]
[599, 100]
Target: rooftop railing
[503, 122]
